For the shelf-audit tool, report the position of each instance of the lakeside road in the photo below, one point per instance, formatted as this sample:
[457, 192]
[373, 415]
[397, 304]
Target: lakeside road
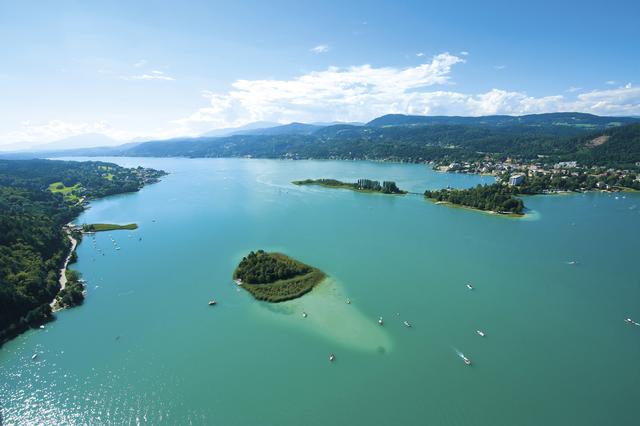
[63, 270]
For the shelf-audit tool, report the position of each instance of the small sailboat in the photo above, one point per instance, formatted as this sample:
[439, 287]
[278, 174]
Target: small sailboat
[212, 302]
[469, 286]
[407, 323]
[480, 333]
[304, 314]
[332, 357]
[348, 301]
[466, 360]
[380, 321]
[34, 356]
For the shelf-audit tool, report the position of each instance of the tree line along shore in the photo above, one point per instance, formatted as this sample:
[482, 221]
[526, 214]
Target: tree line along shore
[37, 199]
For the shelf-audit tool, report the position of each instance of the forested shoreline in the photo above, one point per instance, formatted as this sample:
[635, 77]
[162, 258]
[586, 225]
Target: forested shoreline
[33, 243]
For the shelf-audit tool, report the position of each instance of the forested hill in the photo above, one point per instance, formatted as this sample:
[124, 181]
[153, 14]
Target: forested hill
[549, 121]
[542, 137]
[37, 197]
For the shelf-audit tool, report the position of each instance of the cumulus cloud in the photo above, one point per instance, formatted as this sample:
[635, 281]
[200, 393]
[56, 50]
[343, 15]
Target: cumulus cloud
[419, 54]
[153, 75]
[464, 53]
[322, 48]
[353, 94]
[360, 93]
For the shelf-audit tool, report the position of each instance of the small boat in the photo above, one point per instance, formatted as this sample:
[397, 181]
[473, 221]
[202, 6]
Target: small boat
[304, 314]
[380, 321]
[42, 327]
[212, 302]
[480, 333]
[469, 286]
[332, 357]
[348, 301]
[34, 356]
[466, 360]
[407, 323]
[117, 248]
[628, 321]
[238, 281]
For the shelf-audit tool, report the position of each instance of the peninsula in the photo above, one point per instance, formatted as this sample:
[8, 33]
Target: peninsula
[495, 198]
[275, 277]
[362, 185]
[101, 227]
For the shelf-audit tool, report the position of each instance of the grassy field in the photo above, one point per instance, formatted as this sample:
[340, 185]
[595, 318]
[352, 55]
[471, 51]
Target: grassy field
[101, 227]
[69, 192]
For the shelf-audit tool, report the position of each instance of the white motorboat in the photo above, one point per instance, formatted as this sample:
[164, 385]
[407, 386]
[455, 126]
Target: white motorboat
[469, 286]
[407, 323]
[480, 333]
[380, 321]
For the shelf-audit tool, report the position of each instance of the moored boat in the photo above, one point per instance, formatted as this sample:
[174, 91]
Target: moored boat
[407, 323]
[480, 333]
[212, 302]
[466, 360]
[332, 357]
[469, 286]
[380, 321]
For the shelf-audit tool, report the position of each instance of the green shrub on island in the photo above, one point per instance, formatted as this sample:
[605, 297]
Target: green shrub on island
[365, 185]
[275, 277]
[495, 198]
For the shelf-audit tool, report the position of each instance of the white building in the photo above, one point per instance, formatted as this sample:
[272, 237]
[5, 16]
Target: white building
[516, 180]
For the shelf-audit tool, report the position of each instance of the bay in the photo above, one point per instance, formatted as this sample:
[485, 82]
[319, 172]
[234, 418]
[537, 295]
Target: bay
[146, 347]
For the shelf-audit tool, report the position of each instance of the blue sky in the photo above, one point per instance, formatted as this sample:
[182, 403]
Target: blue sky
[162, 69]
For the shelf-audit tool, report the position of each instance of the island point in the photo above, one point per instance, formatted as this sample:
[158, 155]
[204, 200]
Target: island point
[275, 277]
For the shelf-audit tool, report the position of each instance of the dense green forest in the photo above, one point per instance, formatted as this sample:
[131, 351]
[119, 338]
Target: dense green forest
[366, 185]
[496, 198]
[33, 245]
[275, 277]
[545, 138]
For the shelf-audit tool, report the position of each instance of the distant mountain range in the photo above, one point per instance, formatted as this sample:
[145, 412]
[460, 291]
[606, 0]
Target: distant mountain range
[407, 138]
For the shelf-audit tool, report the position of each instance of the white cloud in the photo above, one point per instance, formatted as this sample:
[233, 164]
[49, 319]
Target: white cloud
[464, 53]
[574, 89]
[356, 93]
[610, 82]
[140, 63]
[153, 75]
[322, 48]
[499, 67]
[352, 94]
[360, 93]
[59, 129]
[419, 54]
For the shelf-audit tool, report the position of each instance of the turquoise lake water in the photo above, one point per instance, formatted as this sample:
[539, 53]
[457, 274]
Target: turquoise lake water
[146, 348]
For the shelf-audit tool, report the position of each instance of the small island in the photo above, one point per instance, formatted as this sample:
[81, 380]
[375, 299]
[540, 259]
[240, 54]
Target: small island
[275, 277]
[102, 227]
[362, 185]
[494, 198]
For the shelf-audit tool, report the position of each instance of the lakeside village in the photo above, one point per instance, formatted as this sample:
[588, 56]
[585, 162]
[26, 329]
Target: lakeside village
[565, 176]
